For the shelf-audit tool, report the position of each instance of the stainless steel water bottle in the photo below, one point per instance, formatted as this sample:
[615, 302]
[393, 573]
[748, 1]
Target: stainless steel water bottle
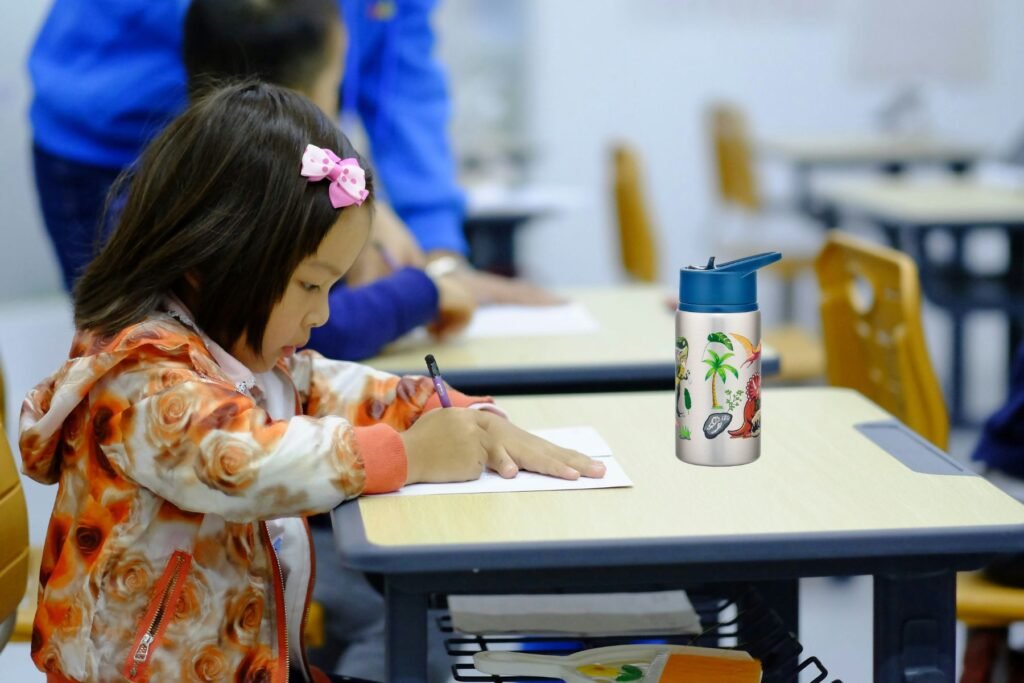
[718, 362]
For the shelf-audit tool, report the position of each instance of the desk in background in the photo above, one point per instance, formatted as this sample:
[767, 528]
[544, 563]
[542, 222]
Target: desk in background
[891, 154]
[494, 213]
[908, 212]
[828, 496]
[632, 351]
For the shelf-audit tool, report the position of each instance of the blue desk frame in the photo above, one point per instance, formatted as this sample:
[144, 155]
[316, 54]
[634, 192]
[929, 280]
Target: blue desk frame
[575, 380]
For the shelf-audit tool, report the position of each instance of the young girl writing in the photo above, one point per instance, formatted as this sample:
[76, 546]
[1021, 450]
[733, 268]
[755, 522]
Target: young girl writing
[189, 438]
[301, 45]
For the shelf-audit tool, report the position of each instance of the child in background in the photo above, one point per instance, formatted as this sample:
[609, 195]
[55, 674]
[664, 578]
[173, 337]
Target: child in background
[186, 433]
[1001, 448]
[301, 44]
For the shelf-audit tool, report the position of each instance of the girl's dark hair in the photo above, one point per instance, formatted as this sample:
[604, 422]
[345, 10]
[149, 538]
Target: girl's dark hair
[279, 41]
[217, 198]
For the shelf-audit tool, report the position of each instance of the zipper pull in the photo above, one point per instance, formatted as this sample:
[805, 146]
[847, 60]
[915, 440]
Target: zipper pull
[143, 652]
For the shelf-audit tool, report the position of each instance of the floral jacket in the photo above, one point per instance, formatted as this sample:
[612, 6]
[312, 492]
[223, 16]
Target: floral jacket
[158, 563]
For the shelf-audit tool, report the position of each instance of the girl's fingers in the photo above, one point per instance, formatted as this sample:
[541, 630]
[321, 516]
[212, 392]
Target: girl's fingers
[530, 452]
[586, 466]
[544, 459]
[501, 462]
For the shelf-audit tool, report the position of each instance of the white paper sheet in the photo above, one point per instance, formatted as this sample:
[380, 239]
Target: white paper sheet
[530, 321]
[586, 440]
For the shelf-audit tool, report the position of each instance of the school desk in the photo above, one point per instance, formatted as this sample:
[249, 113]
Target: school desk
[889, 153]
[909, 212]
[632, 351]
[496, 212]
[841, 488]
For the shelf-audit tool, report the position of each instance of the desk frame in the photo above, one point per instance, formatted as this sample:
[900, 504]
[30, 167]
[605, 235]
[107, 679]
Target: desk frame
[914, 574]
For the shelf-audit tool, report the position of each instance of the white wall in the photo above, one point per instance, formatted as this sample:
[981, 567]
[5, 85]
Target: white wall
[27, 265]
[643, 70]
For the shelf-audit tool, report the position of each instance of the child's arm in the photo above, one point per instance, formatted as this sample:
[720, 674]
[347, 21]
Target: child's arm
[209, 449]
[366, 396]
[445, 445]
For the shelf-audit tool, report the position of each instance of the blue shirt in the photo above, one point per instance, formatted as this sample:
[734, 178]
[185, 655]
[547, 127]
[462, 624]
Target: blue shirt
[108, 76]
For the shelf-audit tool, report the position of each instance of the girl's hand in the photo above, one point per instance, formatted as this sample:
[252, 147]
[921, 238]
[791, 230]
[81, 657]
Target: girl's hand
[456, 444]
[455, 308]
[495, 289]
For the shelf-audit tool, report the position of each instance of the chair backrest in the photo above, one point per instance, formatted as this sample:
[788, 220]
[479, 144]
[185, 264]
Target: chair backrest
[874, 341]
[636, 236]
[730, 141]
[14, 553]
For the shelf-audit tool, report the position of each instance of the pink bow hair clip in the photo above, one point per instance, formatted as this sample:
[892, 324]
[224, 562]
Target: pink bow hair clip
[348, 179]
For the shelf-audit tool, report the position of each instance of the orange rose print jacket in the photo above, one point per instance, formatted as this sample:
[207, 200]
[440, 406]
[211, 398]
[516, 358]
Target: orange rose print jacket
[158, 563]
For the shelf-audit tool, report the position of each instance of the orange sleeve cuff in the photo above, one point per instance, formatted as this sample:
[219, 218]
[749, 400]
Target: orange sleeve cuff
[458, 399]
[383, 455]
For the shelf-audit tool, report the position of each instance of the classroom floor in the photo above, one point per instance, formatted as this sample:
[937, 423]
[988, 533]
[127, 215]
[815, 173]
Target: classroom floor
[835, 613]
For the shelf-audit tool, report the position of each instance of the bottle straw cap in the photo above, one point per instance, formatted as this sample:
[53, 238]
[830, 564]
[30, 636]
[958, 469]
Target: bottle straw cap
[727, 288]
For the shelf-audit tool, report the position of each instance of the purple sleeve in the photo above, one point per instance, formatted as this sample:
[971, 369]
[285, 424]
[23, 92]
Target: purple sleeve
[366, 318]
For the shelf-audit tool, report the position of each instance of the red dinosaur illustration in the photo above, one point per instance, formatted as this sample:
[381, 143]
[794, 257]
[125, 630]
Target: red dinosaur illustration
[751, 411]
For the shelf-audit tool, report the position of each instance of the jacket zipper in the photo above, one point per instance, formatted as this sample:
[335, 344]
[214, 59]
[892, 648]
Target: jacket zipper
[309, 595]
[278, 600]
[172, 588]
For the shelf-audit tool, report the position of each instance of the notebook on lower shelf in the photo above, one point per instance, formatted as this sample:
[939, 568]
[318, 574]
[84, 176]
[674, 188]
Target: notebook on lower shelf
[597, 614]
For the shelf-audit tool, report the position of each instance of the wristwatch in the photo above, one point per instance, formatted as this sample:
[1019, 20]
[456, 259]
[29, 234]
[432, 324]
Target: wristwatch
[439, 267]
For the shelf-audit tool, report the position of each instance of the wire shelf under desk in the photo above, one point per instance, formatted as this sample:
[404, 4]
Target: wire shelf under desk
[763, 635]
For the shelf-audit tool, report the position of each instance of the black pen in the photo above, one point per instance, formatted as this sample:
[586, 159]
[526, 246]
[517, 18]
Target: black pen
[435, 374]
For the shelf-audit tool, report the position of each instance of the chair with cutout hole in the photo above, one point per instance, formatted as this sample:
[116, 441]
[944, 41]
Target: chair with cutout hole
[871, 327]
[874, 343]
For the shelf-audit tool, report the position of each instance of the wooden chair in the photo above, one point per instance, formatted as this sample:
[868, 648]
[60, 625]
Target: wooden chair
[636, 235]
[14, 551]
[874, 343]
[738, 192]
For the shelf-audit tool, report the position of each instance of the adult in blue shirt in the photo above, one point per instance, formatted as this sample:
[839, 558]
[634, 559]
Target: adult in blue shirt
[108, 76]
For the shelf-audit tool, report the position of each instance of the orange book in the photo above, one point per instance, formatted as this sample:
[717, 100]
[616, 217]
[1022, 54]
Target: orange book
[686, 668]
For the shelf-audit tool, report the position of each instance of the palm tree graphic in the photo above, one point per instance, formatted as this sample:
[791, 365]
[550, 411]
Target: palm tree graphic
[718, 368]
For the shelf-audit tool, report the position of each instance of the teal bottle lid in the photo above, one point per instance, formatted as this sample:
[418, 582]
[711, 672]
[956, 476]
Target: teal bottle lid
[729, 287]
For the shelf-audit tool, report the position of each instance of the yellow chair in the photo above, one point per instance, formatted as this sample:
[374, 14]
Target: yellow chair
[636, 236]
[802, 355]
[733, 157]
[874, 341]
[738, 189]
[14, 550]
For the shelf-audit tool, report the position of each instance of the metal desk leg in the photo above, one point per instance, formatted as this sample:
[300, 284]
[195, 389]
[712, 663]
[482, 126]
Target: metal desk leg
[783, 598]
[804, 197]
[956, 370]
[407, 635]
[915, 628]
